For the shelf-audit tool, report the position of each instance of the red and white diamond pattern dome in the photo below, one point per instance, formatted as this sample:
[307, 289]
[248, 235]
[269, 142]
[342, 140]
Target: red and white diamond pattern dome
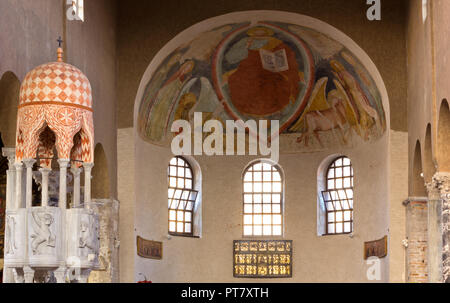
[55, 109]
[56, 82]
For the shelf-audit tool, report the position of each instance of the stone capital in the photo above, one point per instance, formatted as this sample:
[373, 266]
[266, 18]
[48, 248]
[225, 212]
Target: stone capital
[9, 153]
[75, 170]
[29, 162]
[433, 191]
[18, 165]
[442, 181]
[45, 170]
[63, 162]
[88, 165]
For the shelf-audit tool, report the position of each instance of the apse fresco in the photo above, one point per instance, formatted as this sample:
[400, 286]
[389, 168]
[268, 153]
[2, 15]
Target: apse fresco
[318, 90]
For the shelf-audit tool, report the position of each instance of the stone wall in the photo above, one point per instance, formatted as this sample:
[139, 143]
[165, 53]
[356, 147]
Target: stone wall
[126, 187]
[108, 211]
[397, 217]
[416, 231]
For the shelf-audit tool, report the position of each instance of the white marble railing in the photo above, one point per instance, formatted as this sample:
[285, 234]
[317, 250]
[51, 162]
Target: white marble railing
[49, 242]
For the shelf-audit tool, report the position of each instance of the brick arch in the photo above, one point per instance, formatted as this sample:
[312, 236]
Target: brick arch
[443, 138]
[417, 186]
[429, 168]
[100, 174]
[9, 99]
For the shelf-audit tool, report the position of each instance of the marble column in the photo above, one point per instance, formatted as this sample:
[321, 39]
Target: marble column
[87, 183]
[10, 153]
[29, 182]
[76, 171]
[60, 273]
[18, 196]
[63, 164]
[434, 252]
[443, 182]
[44, 185]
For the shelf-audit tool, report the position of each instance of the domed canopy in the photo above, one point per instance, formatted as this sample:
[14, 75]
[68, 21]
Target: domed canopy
[55, 109]
[56, 82]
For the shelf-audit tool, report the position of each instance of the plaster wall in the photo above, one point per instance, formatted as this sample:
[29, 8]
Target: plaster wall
[441, 27]
[398, 190]
[209, 258]
[420, 80]
[428, 66]
[28, 33]
[127, 198]
[9, 95]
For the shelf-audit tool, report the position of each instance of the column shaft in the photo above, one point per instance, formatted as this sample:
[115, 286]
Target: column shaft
[45, 173]
[87, 183]
[446, 238]
[63, 163]
[76, 171]
[442, 181]
[19, 169]
[29, 182]
[10, 153]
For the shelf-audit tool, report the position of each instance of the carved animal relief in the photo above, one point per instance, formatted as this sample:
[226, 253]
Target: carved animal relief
[42, 236]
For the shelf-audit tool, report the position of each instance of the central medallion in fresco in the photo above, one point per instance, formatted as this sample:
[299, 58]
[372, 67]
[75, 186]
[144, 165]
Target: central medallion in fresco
[315, 87]
[263, 72]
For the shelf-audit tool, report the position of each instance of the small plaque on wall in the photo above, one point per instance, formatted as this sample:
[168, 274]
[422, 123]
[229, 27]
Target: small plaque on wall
[262, 258]
[377, 248]
[149, 249]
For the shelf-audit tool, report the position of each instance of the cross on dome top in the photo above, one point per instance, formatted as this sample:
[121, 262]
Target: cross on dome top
[60, 50]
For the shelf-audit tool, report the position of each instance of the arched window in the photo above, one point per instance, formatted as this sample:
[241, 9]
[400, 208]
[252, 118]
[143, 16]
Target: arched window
[338, 197]
[263, 200]
[181, 197]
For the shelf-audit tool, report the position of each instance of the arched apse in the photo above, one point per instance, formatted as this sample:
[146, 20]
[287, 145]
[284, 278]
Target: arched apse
[221, 172]
[429, 168]
[418, 188]
[100, 175]
[9, 100]
[443, 145]
[325, 91]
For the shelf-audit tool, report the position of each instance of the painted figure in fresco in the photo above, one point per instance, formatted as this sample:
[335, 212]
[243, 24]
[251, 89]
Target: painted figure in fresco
[325, 120]
[43, 234]
[183, 111]
[254, 89]
[153, 88]
[166, 96]
[203, 46]
[258, 71]
[365, 112]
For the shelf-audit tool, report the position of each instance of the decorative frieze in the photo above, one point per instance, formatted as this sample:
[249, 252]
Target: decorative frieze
[262, 258]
